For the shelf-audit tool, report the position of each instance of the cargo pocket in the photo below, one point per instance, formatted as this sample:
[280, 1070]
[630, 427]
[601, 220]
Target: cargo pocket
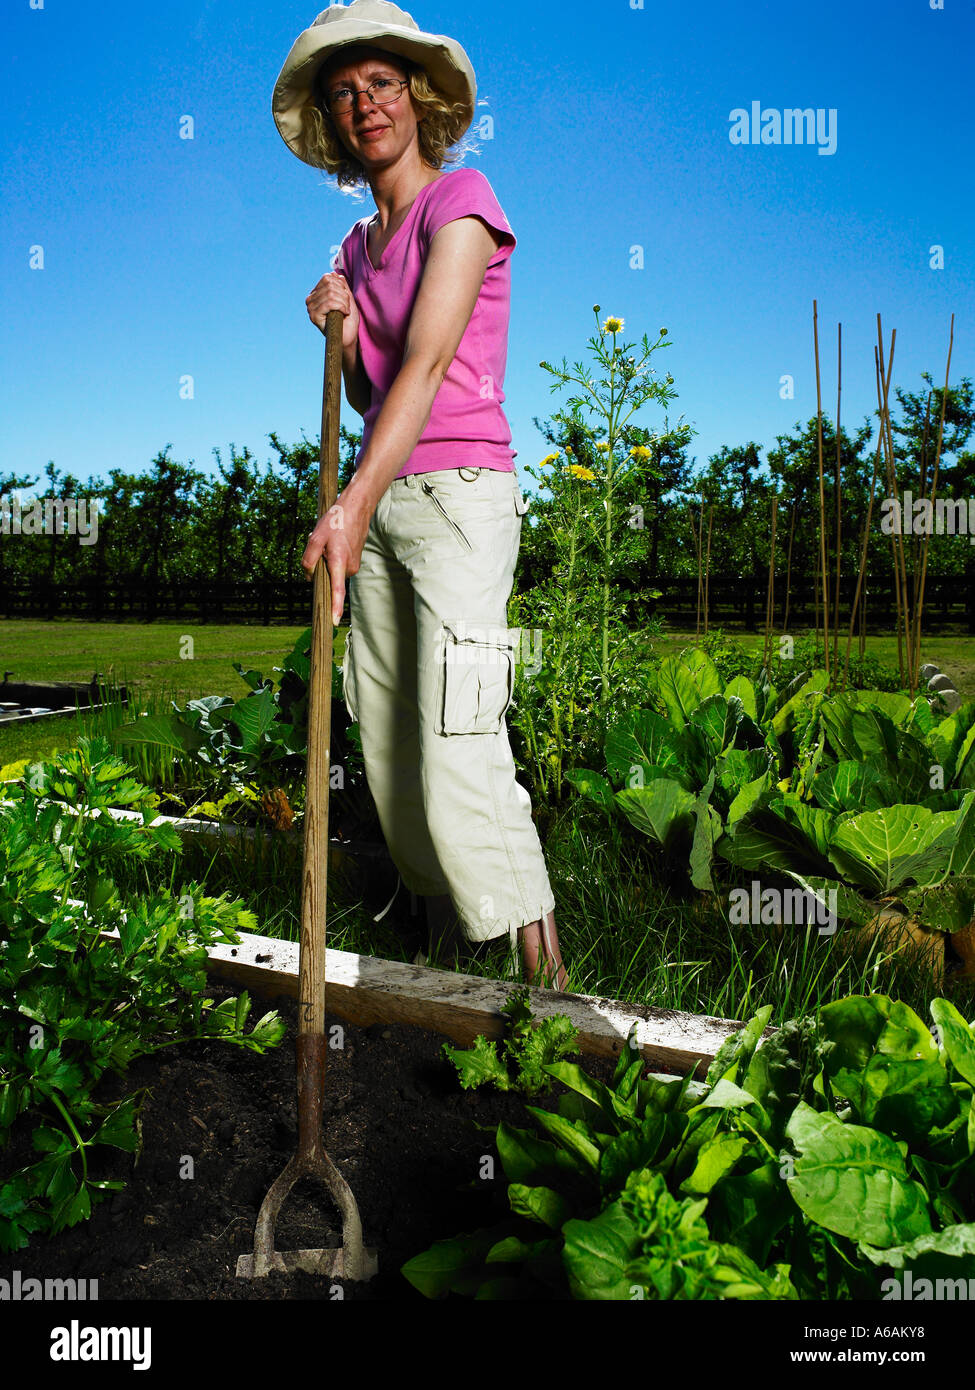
[478, 678]
[348, 681]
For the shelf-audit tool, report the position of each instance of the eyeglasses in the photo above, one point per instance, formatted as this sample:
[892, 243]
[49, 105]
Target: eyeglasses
[380, 93]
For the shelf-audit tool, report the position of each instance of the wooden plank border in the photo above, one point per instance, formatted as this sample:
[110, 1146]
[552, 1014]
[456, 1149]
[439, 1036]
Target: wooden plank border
[366, 990]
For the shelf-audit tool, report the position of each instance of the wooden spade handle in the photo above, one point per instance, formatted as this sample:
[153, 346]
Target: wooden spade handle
[314, 877]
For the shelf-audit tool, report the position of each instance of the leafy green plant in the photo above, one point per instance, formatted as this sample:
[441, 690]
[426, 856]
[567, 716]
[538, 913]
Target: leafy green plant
[802, 653]
[807, 1163]
[673, 1255]
[694, 764]
[77, 1002]
[884, 810]
[865, 794]
[623, 388]
[594, 665]
[557, 720]
[526, 1049]
[250, 750]
[258, 739]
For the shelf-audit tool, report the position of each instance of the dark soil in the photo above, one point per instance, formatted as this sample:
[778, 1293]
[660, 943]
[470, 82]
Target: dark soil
[397, 1124]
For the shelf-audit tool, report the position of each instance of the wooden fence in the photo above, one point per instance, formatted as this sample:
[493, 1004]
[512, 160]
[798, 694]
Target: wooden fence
[735, 603]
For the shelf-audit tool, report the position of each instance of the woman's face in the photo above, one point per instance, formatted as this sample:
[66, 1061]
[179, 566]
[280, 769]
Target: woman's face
[376, 133]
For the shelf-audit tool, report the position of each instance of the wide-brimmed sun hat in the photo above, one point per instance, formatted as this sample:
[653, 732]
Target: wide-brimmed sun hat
[379, 24]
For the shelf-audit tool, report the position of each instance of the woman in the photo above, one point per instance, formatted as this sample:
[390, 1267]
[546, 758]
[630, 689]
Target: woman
[430, 524]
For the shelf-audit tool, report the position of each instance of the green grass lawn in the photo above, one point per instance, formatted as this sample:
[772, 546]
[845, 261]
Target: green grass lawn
[146, 657]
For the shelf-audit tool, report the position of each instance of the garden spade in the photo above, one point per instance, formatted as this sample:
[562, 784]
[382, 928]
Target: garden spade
[350, 1260]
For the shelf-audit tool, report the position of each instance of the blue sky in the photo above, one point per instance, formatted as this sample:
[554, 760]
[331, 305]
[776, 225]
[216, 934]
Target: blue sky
[165, 257]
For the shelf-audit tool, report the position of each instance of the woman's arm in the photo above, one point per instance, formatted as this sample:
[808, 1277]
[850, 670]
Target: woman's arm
[333, 291]
[358, 387]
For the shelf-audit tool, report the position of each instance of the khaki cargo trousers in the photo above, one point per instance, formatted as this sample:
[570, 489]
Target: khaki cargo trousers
[429, 673]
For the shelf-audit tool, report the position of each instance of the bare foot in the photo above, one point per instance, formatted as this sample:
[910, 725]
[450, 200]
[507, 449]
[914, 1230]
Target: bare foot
[541, 954]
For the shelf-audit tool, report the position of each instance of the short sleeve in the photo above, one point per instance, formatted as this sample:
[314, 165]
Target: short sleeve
[348, 260]
[340, 264]
[467, 193]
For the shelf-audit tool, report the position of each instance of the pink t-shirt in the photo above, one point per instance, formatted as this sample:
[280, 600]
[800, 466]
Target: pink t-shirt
[467, 426]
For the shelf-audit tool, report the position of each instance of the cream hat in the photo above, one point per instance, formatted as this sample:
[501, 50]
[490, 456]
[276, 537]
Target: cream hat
[379, 24]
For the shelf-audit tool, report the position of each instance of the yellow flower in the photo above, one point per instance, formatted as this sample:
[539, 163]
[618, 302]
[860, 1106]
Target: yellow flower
[578, 471]
[603, 444]
[548, 460]
[568, 448]
[612, 325]
[641, 451]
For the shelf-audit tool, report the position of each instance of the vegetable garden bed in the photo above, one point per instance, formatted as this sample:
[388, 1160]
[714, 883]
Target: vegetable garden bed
[219, 1123]
[396, 1122]
[840, 1147]
[419, 1152]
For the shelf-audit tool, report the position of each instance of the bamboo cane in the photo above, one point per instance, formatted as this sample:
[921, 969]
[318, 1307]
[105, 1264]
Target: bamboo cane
[770, 597]
[923, 475]
[934, 485]
[897, 538]
[822, 503]
[788, 568]
[861, 575]
[700, 573]
[707, 571]
[839, 496]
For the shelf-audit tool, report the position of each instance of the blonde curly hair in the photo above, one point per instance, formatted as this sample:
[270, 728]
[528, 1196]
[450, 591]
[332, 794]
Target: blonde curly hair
[441, 122]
